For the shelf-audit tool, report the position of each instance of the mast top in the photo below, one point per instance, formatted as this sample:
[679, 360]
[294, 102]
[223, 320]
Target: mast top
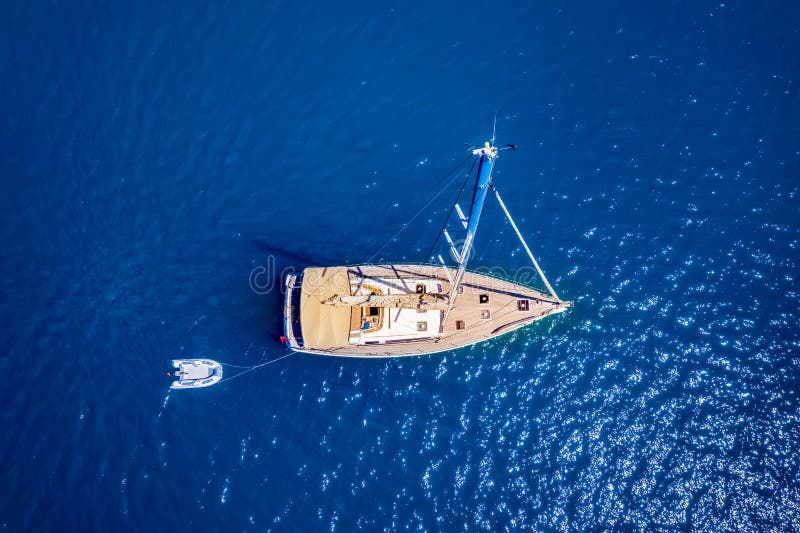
[488, 150]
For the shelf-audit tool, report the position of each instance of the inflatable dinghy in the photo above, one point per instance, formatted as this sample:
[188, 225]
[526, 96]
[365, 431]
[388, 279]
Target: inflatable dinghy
[195, 373]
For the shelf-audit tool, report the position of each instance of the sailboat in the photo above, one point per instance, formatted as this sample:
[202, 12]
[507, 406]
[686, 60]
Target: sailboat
[404, 309]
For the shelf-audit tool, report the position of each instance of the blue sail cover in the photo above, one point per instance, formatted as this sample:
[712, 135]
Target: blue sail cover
[488, 156]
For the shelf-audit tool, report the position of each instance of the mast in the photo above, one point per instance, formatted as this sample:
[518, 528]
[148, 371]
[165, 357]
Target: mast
[488, 156]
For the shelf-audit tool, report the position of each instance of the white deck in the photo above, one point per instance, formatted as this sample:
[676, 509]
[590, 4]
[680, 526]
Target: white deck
[394, 324]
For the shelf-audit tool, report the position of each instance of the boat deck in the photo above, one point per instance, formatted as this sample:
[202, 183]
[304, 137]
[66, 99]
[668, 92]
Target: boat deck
[485, 308]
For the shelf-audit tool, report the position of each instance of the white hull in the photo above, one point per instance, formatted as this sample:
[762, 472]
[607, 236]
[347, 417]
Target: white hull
[196, 373]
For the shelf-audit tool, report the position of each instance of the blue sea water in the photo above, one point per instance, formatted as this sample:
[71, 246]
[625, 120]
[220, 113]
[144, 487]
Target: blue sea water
[155, 153]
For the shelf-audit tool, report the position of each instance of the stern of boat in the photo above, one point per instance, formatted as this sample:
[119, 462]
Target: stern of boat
[291, 312]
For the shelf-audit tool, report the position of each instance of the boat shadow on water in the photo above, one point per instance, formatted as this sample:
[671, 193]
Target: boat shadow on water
[267, 281]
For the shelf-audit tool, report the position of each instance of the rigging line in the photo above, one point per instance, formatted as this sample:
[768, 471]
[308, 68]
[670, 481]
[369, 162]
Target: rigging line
[525, 245]
[243, 372]
[452, 208]
[404, 226]
[236, 366]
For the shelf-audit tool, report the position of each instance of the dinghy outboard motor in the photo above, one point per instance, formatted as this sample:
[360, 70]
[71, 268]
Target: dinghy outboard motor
[195, 373]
